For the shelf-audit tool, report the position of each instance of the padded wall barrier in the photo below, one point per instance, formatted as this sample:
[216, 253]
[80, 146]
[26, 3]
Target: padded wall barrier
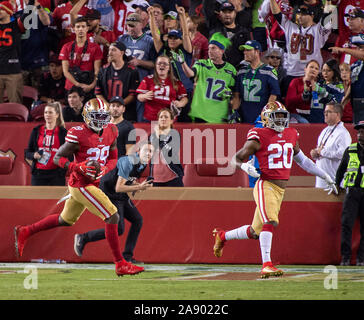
[178, 224]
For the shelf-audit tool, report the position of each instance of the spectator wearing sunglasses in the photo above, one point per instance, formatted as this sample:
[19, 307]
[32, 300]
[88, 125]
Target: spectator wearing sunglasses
[274, 57]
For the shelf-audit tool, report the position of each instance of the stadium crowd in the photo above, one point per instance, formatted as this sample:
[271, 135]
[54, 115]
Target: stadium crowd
[303, 53]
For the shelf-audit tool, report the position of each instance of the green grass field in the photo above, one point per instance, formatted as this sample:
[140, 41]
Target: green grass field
[178, 282]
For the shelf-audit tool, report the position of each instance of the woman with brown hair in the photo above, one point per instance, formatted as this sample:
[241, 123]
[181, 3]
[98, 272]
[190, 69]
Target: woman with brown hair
[160, 90]
[166, 168]
[299, 107]
[345, 74]
[44, 142]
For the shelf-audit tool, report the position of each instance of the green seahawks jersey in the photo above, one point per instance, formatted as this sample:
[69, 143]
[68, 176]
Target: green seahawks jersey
[208, 101]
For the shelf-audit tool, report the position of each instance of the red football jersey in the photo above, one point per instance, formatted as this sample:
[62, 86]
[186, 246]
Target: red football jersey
[344, 7]
[62, 21]
[122, 9]
[163, 95]
[275, 155]
[92, 147]
[20, 4]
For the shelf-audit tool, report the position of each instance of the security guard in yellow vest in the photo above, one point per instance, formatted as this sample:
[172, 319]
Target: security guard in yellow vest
[351, 169]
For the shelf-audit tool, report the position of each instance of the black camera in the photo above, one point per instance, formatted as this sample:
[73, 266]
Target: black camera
[85, 77]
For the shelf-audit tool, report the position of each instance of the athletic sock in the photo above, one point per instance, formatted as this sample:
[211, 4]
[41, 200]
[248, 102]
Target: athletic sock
[265, 240]
[111, 234]
[46, 223]
[238, 233]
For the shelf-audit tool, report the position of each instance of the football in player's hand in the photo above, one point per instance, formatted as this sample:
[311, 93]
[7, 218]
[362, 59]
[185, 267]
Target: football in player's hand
[96, 165]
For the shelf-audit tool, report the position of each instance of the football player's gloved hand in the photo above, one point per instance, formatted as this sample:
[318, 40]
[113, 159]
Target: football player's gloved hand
[234, 117]
[331, 188]
[101, 173]
[250, 169]
[86, 170]
[178, 56]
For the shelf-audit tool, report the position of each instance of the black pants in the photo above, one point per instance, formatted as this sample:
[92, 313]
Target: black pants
[177, 182]
[127, 210]
[48, 178]
[353, 207]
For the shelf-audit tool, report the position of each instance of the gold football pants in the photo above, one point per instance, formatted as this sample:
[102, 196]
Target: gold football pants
[91, 198]
[268, 198]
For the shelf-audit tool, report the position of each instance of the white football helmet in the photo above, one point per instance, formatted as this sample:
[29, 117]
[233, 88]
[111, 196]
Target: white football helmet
[270, 118]
[96, 114]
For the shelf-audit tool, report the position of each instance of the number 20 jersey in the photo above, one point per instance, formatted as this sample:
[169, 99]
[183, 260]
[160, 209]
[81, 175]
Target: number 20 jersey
[275, 155]
[92, 147]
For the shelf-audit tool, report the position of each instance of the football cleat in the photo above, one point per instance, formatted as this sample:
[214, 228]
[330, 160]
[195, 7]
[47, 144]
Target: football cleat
[126, 268]
[78, 244]
[21, 235]
[268, 270]
[219, 241]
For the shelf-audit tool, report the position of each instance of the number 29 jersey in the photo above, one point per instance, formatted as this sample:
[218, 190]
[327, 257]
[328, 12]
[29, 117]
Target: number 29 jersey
[275, 155]
[92, 147]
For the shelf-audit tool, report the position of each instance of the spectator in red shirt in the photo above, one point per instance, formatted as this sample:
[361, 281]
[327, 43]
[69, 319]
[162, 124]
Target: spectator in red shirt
[81, 60]
[96, 32]
[44, 142]
[298, 108]
[160, 90]
[199, 42]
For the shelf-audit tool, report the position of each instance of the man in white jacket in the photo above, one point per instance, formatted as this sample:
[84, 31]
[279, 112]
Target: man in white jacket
[331, 143]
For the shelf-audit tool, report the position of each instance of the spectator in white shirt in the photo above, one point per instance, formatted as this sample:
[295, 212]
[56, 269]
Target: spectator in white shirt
[331, 143]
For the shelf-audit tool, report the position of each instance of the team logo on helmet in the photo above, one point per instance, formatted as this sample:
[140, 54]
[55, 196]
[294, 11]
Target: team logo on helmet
[96, 114]
[275, 116]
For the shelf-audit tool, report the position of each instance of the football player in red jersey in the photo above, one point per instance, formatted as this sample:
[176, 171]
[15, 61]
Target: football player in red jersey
[276, 146]
[94, 140]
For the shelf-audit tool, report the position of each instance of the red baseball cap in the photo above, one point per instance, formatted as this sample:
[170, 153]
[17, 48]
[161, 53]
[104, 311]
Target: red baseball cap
[7, 7]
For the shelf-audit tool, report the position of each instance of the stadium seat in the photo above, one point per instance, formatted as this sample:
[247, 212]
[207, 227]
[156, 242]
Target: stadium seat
[30, 95]
[6, 165]
[19, 175]
[37, 114]
[11, 111]
[214, 173]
